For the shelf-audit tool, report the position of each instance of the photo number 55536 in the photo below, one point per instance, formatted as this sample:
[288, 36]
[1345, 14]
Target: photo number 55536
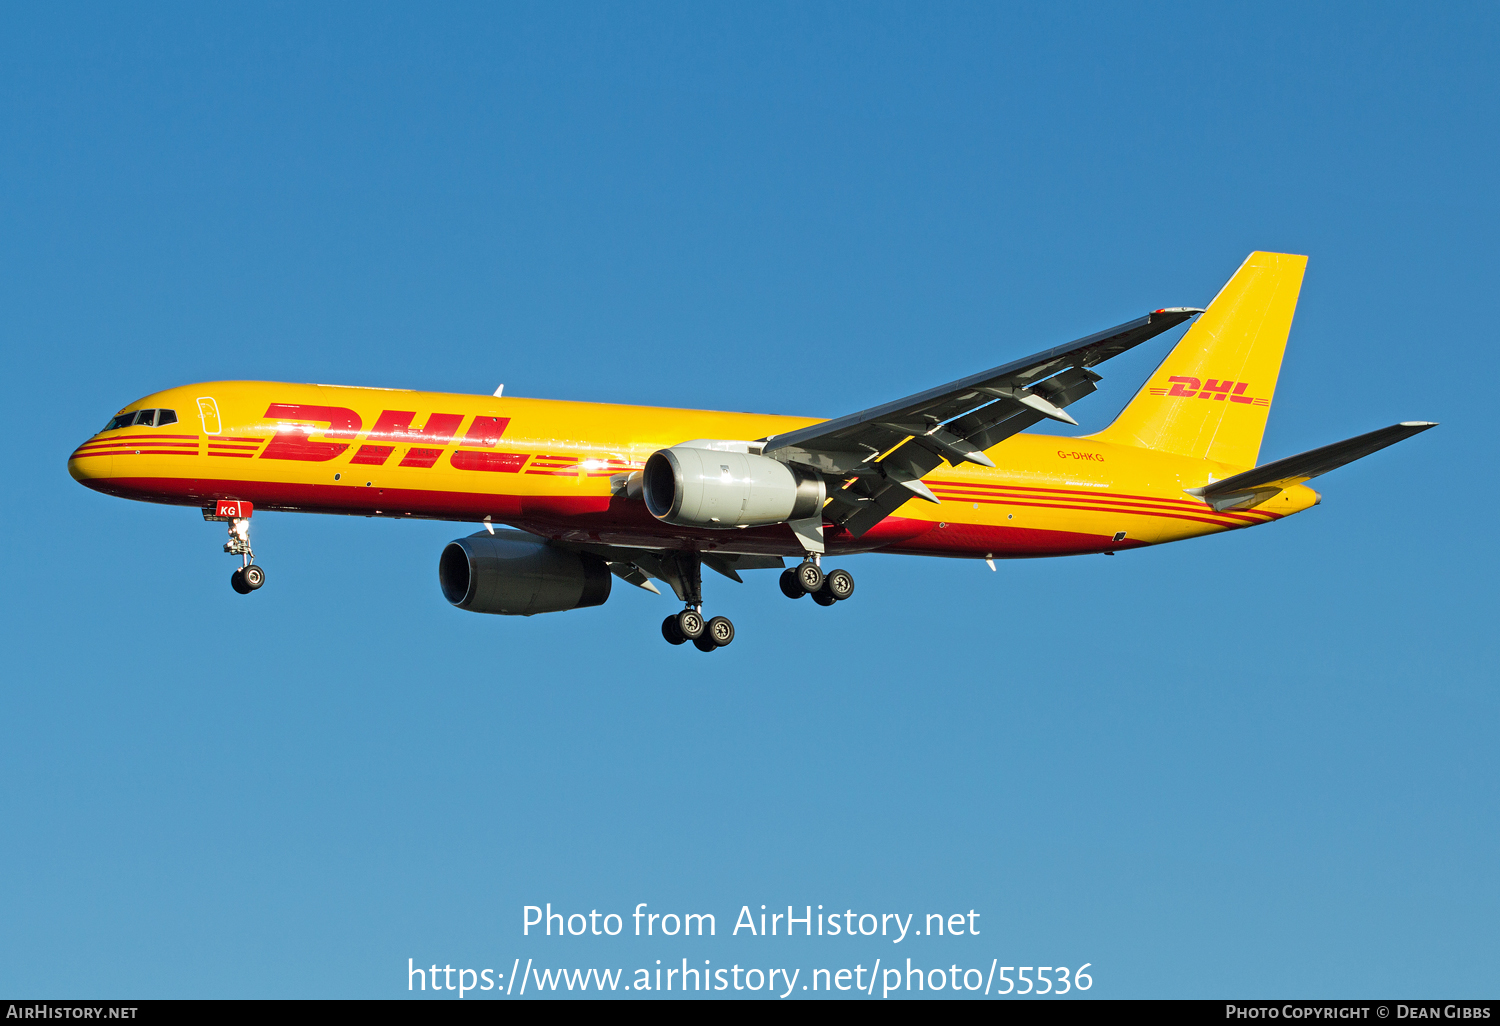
[1059, 983]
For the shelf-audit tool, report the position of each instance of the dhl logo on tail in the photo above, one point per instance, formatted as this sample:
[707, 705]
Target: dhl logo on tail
[1186, 387]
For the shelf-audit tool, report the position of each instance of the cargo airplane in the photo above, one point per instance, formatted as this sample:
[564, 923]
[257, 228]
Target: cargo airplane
[573, 495]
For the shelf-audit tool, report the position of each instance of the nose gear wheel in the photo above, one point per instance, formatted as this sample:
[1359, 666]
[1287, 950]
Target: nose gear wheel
[247, 579]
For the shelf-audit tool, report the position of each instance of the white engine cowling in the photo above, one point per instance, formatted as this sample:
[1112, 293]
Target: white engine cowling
[518, 574]
[692, 486]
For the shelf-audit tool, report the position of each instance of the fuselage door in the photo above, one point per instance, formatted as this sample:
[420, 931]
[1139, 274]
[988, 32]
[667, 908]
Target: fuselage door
[208, 412]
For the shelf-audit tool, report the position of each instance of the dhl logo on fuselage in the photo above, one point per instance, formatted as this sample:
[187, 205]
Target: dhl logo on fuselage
[393, 429]
[424, 446]
[1185, 387]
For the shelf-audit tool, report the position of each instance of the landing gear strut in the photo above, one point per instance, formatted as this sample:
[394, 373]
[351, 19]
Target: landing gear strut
[689, 625]
[248, 577]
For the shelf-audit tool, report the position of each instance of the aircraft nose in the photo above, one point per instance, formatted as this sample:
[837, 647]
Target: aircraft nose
[90, 463]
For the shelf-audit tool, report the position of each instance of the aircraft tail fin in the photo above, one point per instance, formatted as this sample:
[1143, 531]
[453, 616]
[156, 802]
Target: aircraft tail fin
[1210, 397]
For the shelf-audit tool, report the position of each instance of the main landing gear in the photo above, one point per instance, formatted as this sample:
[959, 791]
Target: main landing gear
[684, 572]
[808, 578]
[248, 577]
[689, 625]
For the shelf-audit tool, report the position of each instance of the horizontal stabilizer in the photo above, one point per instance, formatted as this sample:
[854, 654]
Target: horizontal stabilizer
[1255, 486]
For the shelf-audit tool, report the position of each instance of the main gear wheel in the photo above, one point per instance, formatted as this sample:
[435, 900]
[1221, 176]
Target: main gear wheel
[809, 576]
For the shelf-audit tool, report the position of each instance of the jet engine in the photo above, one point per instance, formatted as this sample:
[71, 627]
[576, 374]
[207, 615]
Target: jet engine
[518, 574]
[719, 484]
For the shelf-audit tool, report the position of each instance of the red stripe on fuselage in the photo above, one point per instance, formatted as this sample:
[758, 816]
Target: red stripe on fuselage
[1135, 512]
[1230, 519]
[118, 438]
[1001, 495]
[138, 442]
[1070, 492]
[610, 519]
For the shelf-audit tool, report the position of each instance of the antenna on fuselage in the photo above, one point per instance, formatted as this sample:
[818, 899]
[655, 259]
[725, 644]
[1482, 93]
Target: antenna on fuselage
[499, 390]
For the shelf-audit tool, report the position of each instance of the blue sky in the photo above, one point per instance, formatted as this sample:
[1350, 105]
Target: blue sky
[1253, 765]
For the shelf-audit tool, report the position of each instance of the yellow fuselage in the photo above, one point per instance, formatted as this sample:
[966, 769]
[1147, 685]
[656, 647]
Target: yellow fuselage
[555, 468]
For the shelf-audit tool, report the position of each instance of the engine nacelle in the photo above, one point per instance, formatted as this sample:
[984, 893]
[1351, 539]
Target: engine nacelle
[692, 485]
[518, 574]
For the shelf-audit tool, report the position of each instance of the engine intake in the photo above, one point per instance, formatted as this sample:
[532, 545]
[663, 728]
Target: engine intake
[517, 574]
[689, 486]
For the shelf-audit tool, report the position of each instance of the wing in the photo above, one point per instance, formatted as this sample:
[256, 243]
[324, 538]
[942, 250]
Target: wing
[882, 453]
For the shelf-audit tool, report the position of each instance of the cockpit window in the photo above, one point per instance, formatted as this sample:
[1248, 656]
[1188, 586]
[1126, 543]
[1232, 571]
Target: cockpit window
[143, 418]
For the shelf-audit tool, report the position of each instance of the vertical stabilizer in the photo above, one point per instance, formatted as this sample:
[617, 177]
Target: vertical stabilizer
[1210, 397]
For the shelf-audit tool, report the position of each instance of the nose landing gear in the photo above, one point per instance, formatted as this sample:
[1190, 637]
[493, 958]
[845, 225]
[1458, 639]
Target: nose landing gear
[248, 577]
